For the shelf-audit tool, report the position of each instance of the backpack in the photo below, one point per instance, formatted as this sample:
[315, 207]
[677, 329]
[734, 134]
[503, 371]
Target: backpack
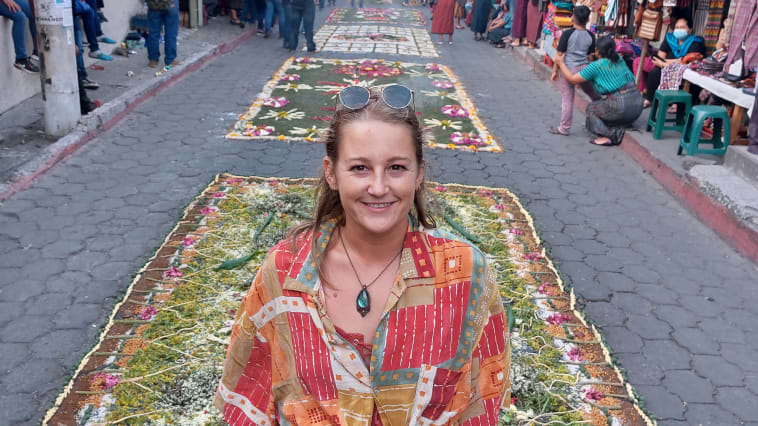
[160, 4]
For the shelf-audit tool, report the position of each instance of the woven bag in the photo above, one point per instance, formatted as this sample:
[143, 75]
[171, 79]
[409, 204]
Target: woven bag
[650, 25]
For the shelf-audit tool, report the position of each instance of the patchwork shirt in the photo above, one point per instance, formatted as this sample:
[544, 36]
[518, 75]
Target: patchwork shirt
[440, 354]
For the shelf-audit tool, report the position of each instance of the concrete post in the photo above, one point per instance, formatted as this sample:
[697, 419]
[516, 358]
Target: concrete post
[60, 84]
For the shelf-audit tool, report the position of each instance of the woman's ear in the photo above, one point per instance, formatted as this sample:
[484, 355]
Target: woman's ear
[331, 179]
[420, 175]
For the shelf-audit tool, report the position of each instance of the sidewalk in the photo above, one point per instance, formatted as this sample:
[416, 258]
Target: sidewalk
[721, 192]
[26, 153]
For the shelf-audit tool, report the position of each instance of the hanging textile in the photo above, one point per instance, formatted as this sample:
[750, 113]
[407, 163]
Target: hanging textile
[713, 25]
[610, 11]
[700, 17]
[745, 30]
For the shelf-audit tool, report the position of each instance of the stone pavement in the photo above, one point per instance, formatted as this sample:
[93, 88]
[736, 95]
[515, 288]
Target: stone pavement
[678, 307]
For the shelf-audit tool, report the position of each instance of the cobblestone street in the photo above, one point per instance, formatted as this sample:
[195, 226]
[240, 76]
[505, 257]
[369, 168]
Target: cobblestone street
[677, 305]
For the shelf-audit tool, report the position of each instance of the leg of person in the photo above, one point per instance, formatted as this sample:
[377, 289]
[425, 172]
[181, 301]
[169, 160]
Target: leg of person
[309, 16]
[155, 23]
[285, 15]
[653, 81]
[81, 69]
[270, 10]
[88, 24]
[26, 9]
[260, 8]
[98, 28]
[171, 31]
[596, 111]
[296, 17]
[18, 31]
[567, 104]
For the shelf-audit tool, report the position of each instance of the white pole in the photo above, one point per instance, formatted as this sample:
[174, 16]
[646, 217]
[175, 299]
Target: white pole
[60, 85]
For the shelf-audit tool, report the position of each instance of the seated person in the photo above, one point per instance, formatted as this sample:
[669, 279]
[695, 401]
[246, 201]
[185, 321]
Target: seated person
[621, 103]
[676, 46]
[500, 28]
[90, 24]
[19, 12]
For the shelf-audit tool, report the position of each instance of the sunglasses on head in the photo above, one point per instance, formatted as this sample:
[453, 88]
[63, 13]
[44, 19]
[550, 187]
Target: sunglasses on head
[394, 95]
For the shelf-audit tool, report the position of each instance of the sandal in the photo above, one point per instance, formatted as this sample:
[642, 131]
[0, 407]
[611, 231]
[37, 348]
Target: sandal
[556, 131]
[500, 45]
[608, 143]
[460, 27]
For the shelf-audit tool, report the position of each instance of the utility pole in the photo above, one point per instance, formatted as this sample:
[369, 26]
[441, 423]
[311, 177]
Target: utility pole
[60, 84]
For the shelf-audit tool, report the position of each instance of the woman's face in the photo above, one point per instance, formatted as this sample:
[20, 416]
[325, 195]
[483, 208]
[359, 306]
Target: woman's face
[681, 24]
[376, 175]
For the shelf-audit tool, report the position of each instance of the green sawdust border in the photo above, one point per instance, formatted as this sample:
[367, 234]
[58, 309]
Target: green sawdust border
[330, 18]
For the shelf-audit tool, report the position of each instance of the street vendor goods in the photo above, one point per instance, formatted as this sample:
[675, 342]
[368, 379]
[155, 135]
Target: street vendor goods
[159, 358]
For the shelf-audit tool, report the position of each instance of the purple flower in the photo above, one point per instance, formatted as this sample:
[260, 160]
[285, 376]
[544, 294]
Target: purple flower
[575, 354]
[544, 288]
[442, 84]
[188, 241]
[558, 319]
[148, 313]
[105, 381]
[219, 194]
[593, 394]
[207, 211]
[173, 272]
[516, 231]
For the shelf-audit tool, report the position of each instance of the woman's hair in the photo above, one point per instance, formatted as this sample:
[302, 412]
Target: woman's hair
[582, 14]
[606, 46]
[687, 19]
[328, 205]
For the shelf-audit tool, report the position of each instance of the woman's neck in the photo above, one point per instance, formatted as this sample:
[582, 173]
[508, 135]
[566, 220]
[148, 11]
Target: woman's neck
[373, 247]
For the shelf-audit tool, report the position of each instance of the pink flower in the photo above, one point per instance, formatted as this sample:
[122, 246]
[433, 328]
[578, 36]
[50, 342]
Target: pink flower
[516, 231]
[466, 138]
[273, 182]
[275, 102]
[234, 181]
[173, 272]
[290, 77]
[533, 256]
[558, 319]
[208, 211]
[433, 67]
[304, 60]
[499, 207]
[442, 84]
[454, 111]
[575, 354]
[325, 118]
[106, 381]
[544, 288]
[593, 394]
[147, 313]
[259, 130]
[219, 194]
[440, 188]
[188, 241]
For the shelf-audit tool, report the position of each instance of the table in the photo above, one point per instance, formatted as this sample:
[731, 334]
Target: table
[742, 101]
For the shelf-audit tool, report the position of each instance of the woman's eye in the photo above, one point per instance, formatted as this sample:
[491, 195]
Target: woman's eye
[358, 168]
[397, 167]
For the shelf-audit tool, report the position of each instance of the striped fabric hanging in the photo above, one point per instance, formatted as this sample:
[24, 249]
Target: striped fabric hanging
[713, 26]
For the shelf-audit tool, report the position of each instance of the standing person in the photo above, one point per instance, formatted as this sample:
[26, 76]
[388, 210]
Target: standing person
[621, 103]
[302, 11]
[574, 46]
[235, 9]
[518, 30]
[533, 22]
[460, 13]
[443, 20]
[20, 13]
[279, 9]
[482, 9]
[337, 285]
[162, 15]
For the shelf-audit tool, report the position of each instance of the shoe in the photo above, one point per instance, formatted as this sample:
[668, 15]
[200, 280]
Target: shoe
[557, 131]
[107, 40]
[93, 105]
[263, 32]
[100, 55]
[102, 17]
[175, 63]
[89, 84]
[266, 35]
[312, 50]
[26, 65]
[152, 64]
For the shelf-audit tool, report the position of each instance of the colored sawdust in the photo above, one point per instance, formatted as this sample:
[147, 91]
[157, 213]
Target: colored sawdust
[299, 101]
[344, 15]
[182, 344]
[370, 38]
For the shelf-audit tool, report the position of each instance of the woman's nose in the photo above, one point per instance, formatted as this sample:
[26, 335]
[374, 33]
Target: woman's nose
[378, 185]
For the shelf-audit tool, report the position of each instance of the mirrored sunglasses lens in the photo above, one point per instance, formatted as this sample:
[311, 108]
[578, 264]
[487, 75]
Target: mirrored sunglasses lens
[397, 96]
[354, 97]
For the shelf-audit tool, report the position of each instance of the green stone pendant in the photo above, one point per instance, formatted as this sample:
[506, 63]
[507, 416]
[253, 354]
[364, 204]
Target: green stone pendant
[363, 302]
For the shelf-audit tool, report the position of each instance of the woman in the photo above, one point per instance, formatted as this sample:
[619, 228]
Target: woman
[443, 19]
[677, 45]
[234, 9]
[460, 13]
[621, 103]
[318, 336]
[499, 30]
[518, 30]
[482, 9]
[533, 23]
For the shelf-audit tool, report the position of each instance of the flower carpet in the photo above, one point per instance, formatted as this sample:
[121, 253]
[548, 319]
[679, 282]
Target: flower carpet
[298, 102]
[160, 356]
[350, 15]
[375, 38]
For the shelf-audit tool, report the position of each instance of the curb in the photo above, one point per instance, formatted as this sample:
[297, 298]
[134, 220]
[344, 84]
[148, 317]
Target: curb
[683, 187]
[108, 115]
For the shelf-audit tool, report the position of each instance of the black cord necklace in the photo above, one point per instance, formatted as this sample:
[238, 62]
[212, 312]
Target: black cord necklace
[363, 301]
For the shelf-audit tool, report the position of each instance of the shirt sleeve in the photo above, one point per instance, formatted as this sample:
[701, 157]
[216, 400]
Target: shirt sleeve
[491, 364]
[697, 47]
[564, 40]
[592, 47]
[590, 71]
[244, 395]
[665, 48]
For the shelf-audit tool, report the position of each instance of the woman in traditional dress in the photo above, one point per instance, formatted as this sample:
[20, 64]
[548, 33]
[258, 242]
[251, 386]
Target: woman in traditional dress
[443, 19]
[460, 13]
[533, 22]
[332, 328]
[518, 29]
[482, 9]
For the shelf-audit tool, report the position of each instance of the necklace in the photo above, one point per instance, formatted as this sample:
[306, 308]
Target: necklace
[363, 301]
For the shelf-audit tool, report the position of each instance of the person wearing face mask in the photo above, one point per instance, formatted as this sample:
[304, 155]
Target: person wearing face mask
[676, 46]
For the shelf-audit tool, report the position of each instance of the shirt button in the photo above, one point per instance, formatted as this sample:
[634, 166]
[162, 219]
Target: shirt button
[376, 392]
[355, 342]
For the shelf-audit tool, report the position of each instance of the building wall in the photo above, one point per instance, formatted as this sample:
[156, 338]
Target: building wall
[17, 86]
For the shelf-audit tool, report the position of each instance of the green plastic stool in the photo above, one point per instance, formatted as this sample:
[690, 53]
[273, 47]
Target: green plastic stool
[661, 102]
[694, 127]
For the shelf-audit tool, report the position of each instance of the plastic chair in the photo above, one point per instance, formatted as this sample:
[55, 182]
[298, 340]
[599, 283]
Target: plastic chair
[692, 131]
[661, 102]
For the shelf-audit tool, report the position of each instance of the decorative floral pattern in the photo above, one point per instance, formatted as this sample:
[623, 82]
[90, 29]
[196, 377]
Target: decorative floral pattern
[344, 15]
[449, 116]
[162, 351]
[386, 39]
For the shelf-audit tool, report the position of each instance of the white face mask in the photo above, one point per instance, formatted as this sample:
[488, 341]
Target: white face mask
[681, 34]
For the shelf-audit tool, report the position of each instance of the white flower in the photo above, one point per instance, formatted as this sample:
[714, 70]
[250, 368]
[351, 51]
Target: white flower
[305, 131]
[445, 124]
[292, 114]
[294, 86]
[304, 66]
[441, 94]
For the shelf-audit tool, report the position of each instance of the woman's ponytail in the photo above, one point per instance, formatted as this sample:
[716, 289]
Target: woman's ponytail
[606, 46]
